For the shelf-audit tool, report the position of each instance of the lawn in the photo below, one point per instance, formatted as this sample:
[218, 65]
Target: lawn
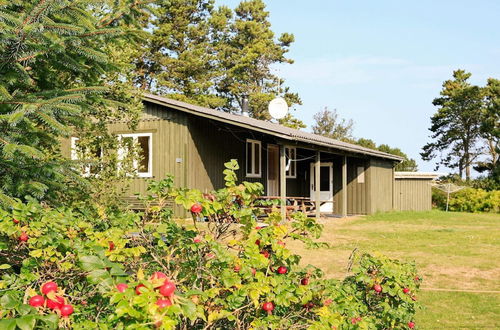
[453, 251]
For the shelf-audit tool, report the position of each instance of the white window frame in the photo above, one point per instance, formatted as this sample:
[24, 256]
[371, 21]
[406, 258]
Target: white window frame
[293, 162]
[135, 137]
[360, 174]
[251, 173]
[74, 156]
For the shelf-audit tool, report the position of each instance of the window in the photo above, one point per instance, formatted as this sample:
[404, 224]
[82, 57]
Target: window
[89, 155]
[291, 164]
[361, 174]
[143, 142]
[253, 158]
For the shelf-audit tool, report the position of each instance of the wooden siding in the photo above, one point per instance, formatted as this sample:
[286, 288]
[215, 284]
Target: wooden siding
[412, 195]
[194, 150]
[380, 185]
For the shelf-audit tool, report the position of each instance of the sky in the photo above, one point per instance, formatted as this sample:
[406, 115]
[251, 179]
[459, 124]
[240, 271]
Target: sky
[381, 63]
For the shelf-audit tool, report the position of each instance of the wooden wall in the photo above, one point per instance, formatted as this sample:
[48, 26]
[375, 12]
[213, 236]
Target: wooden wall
[412, 194]
[194, 150]
[380, 185]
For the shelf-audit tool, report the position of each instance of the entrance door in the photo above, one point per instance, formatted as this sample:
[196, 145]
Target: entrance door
[325, 185]
[273, 170]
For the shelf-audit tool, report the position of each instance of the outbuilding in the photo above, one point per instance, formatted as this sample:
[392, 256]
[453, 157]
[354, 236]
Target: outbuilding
[413, 191]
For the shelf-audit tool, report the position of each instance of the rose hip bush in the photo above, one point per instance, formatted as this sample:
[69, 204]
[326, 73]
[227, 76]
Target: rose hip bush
[66, 268]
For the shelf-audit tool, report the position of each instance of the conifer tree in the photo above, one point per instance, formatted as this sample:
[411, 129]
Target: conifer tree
[456, 124]
[56, 62]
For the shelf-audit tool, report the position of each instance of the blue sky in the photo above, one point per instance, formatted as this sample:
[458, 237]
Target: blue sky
[381, 63]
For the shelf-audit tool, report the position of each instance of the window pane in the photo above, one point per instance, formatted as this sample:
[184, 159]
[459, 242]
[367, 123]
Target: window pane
[249, 157]
[257, 158]
[324, 181]
[293, 164]
[143, 145]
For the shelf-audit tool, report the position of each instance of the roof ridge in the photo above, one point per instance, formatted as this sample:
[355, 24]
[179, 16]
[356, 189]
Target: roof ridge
[273, 127]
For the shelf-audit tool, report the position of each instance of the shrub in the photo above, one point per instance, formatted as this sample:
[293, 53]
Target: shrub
[144, 272]
[475, 200]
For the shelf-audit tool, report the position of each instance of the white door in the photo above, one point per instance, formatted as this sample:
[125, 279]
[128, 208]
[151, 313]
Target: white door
[325, 185]
[273, 170]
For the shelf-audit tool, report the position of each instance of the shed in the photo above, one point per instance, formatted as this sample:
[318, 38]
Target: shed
[413, 191]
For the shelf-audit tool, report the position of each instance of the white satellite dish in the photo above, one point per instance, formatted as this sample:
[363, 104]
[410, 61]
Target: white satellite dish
[278, 108]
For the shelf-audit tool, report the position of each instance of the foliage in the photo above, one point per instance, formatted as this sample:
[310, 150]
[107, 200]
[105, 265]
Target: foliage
[56, 73]
[407, 165]
[219, 282]
[328, 123]
[469, 200]
[216, 57]
[466, 115]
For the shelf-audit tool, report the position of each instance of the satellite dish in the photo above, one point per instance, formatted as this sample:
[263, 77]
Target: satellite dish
[278, 108]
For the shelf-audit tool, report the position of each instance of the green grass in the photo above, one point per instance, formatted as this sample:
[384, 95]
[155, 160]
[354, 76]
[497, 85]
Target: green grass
[457, 251]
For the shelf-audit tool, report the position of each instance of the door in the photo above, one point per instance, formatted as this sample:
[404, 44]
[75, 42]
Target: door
[325, 185]
[273, 170]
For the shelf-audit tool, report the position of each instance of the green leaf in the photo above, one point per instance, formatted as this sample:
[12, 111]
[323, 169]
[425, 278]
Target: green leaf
[26, 322]
[90, 263]
[9, 324]
[5, 266]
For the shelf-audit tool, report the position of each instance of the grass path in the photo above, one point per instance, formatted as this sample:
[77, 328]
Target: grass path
[453, 251]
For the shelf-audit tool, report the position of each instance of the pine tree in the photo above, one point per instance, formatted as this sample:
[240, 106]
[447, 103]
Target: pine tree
[456, 124]
[246, 53]
[55, 62]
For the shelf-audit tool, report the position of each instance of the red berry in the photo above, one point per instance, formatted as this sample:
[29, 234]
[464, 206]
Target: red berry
[66, 310]
[49, 287]
[37, 301]
[111, 246]
[265, 253]
[254, 271]
[237, 268]
[281, 243]
[15, 221]
[327, 302]
[406, 290]
[210, 255]
[163, 303]
[160, 277]
[197, 240]
[259, 227]
[23, 237]
[377, 288]
[257, 242]
[268, 306]
[411, 325]
[138, 290]
[282, 270]
[121, 287]
[55, 304]
[196, 208]
[304, 281]
[167, 289]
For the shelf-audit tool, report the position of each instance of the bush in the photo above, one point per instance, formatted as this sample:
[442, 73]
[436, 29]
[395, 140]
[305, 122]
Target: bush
[475, 200]
[126, 271]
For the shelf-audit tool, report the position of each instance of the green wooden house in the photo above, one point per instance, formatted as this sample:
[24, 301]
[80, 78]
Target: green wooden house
[193, 143]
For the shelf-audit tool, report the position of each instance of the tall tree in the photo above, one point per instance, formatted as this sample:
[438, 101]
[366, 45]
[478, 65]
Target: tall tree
[456, 125]
[490, 124]
[246, 53]
[180, 60]
[329, 124]
[55, 66]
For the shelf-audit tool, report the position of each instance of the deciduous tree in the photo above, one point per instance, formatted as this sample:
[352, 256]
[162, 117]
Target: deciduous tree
[329, 124]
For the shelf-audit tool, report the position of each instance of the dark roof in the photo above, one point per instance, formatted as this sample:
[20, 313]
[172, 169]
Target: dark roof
[266, 127]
